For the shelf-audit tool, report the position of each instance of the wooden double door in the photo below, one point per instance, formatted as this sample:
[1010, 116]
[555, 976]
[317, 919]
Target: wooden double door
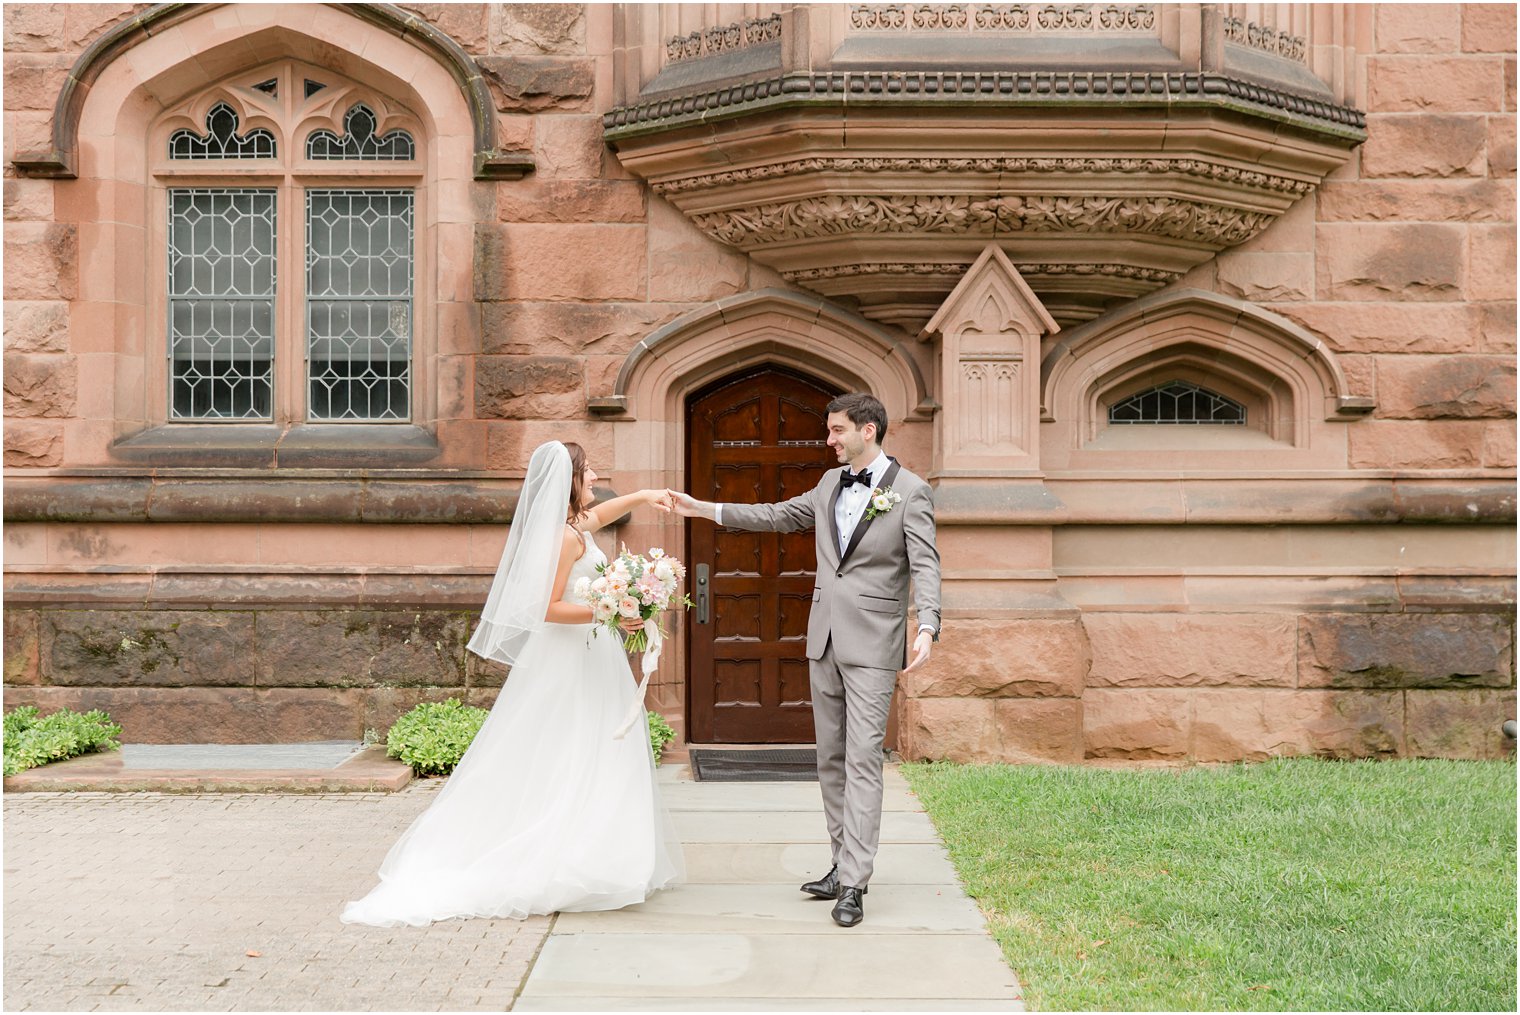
[757, 437]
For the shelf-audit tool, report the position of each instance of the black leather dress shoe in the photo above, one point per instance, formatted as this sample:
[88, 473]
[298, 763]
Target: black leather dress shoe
[850, 909]
[826, 887]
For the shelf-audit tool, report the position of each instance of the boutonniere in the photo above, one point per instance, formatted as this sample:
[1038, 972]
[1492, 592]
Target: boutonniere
[882, 501]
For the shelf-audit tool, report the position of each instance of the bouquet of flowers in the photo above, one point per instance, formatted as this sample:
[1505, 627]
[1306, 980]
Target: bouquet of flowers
[634, 586]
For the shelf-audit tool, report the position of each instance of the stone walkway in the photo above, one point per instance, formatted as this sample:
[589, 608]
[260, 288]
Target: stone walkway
[142, 902]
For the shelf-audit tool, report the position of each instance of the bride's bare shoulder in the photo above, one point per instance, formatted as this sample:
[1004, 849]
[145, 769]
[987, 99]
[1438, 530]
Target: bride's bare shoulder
[574, 546]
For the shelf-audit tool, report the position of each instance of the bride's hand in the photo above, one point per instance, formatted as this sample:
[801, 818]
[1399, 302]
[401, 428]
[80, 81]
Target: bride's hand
[660, 500]
[631, 624]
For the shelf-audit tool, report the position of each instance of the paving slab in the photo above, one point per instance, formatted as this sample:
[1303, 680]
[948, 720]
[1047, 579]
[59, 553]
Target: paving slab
[760, 1004]
[220, 768]
[782, 909]
[789, 826]
[835, 964]
[792, 863]
[768, 796]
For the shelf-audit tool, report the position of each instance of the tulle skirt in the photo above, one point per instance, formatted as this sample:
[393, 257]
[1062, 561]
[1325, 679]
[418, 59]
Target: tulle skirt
[546, 812]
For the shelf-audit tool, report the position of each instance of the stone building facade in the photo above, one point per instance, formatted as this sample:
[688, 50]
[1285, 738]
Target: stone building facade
[1199, 318]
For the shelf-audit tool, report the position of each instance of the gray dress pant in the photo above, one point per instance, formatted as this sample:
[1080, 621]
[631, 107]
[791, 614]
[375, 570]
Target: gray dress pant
[850, 706]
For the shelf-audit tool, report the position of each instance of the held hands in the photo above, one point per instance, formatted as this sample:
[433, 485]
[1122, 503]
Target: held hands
[684, 504]
[921, 646]
[660, 500]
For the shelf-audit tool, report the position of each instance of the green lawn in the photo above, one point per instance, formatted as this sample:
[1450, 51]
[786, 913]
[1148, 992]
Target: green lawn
[1290, 885]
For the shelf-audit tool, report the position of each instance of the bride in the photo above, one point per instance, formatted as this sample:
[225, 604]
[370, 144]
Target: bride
[547, 811]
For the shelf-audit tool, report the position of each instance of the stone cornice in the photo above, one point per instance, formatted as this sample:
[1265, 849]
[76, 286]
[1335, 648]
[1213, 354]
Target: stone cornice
[975, 215]
[957, 268]
[997, 166]
[1012, 89]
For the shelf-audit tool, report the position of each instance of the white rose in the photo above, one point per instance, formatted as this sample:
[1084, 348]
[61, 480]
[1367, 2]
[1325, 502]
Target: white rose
[583, 588]
[881, 502]
[664, 571]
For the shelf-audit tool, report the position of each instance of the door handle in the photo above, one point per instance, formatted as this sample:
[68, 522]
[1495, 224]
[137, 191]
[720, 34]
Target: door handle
[704, 593]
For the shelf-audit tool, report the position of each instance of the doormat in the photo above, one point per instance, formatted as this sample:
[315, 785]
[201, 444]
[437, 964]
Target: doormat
[792, 765]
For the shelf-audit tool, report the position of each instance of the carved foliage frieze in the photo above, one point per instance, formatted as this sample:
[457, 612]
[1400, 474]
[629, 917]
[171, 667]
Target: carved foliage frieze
[996, 165]
[1003, 17]
[956, 268]
[962, 214]
[723, 38]
[1265, 38]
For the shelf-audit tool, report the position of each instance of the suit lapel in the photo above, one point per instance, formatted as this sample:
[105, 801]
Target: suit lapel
[865, 523]
[834, 515]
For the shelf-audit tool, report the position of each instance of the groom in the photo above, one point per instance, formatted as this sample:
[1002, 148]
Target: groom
[875, 528]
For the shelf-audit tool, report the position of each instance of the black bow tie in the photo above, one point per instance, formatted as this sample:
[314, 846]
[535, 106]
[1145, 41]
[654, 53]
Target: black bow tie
[863, 477]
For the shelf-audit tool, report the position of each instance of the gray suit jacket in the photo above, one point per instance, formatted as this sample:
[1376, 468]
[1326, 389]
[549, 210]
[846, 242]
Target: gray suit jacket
[861, 602]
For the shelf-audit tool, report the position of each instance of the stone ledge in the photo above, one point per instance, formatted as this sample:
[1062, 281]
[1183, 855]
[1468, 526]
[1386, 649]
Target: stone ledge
[370, 772]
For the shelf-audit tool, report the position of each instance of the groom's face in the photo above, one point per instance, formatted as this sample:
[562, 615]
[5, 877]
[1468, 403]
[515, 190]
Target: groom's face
[848, 442]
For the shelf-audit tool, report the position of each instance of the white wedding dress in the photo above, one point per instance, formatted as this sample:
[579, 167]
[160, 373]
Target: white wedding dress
[547, 811]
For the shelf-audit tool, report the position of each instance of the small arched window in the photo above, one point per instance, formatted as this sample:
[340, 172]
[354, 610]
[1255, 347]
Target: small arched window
[1178, 403]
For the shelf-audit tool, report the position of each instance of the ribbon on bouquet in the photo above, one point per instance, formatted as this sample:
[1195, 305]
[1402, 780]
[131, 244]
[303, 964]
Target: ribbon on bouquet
[655, 641]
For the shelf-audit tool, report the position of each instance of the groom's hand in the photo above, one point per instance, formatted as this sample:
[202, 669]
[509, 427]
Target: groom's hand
[685, 505]
[921, 646]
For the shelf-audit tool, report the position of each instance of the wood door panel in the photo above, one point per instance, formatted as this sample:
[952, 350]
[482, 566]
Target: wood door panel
[755, 438]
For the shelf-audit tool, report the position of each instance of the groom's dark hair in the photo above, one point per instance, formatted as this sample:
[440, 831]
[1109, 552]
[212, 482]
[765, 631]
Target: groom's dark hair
[862, 409]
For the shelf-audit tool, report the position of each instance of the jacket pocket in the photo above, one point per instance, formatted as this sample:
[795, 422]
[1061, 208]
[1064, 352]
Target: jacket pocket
[879, 604]
[817, 595]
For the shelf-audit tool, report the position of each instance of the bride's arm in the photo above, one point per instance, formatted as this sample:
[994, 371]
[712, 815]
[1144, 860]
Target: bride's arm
[606, 513]
[561, 612]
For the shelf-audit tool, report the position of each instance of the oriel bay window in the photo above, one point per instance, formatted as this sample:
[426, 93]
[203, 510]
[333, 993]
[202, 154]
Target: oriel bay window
[291, 253]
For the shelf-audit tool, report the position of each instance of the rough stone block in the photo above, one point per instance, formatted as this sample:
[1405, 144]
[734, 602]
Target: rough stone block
[1438, 84]
[529, 387]
[571, 147]
[1499, 446]
[33, 445]
[1488, 28]
[1501, 145]
[118, 648]
[560, 262]
[28, 200]
[529, 84]
[690, 265]
[1423, 200]
[510, 445]
[36, 327]
[1240, 725]
[466, 24]
[1266, 277]
[210, 715]
[1186, 650]
[41, 261]
[1002, 657]
[571, 201]
[1038, 730]
[420, 648]
[22, 654]
[1446, 387]
[1404, 650]
[1491, 262]
[1388, 327]
[531, 29]
[314, 648]
[40, 384]
[1136, 724]
[1418, 28]
[947, 729]
[33, 82]
[48, 28]
[572, 329]
[1391, 262]
[1424, 145]
[1497, 326]
[1459, 724]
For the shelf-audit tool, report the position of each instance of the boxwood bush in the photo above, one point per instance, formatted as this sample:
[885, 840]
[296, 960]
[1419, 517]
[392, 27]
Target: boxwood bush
[32, 739]
[433, 736]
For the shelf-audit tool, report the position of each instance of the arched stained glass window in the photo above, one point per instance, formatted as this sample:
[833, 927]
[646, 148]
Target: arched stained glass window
[222, 140]
[359, 140]
[1178, 402]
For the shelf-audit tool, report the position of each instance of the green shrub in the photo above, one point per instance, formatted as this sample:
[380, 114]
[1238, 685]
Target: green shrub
[433, 736]
[660, 734]
[32, 740]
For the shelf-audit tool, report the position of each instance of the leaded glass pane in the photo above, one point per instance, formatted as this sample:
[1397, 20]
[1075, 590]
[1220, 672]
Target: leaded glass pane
[1178, 402]
[359, 140]
[222, 140]
[359, 304]
[221, 303]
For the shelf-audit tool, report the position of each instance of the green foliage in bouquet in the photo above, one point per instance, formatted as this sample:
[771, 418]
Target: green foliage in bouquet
[433, 736]
[32, 739]
[660, 734]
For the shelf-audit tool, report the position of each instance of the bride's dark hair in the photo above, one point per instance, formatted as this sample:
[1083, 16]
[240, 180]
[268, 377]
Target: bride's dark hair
[580, 497]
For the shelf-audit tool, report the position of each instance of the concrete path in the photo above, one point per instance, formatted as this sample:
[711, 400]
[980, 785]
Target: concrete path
[739, 936]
